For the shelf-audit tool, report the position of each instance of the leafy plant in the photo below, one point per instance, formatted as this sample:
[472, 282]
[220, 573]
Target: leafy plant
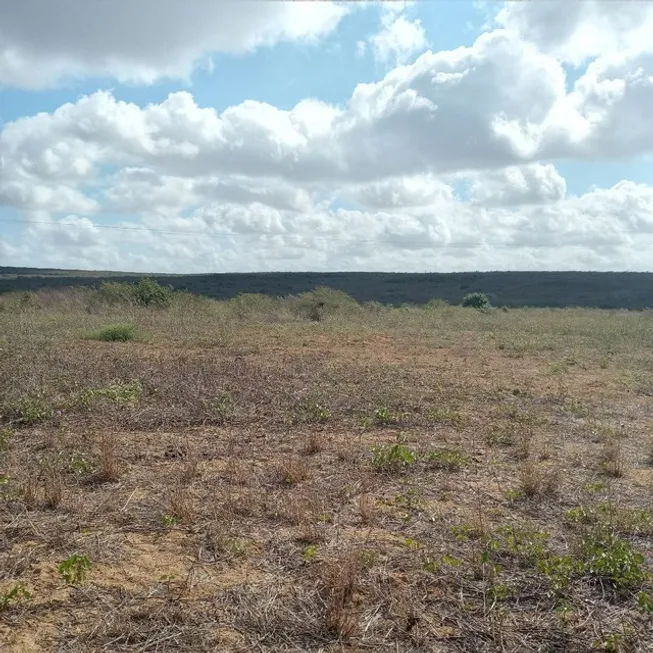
[476, 300]
[611, 558]
[168, 520]
[119, 392]
[6, 436]
[392, 457]
[74, 568]
[31, 410]
[449, 459]
[383, 416]
[16, 594]
[313, 412]
[223, 407]
[309, 552]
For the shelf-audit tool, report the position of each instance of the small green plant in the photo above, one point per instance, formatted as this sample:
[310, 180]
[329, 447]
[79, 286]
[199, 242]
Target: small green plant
[74, 568]
[6, 436]
[309, 552]
[80, 465]
[645, 602]
[611, 558]
[392, 457]
[168, 520]
[223, 407]
[313, 412]
[16, 594]
[448, 459]
[383, 416]
[115, 333]
[444, 415]
[560, 571]
[476, 300]
[120, 392]
[31, 410]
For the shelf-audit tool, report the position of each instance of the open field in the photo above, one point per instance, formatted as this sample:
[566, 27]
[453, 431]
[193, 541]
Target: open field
[310, 474]
[631, 290]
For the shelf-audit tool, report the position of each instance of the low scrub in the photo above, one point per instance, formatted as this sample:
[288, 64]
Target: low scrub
[114, 333]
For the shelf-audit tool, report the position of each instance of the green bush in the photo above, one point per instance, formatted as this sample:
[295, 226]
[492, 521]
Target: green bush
[477, 300]
[149, 293]
[115, 333]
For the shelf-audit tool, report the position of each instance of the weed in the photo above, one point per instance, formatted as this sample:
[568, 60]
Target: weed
[168, 520]
[560, 571]
[527, 545]
[74, 569]
[645, 602]
[121, 393]
[383, 416]
[31, 410]
[392, 457]
[611, 558]
[16, 594]
[312, 412]
[114, 333]
[445, 415]
[448, 459]
[309, 552]
[6, 436]
[223, 408]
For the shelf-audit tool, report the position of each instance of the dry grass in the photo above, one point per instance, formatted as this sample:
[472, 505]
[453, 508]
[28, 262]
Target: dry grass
[239, 482]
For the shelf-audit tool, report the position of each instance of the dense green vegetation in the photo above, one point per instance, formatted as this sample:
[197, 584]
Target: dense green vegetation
[560, 289]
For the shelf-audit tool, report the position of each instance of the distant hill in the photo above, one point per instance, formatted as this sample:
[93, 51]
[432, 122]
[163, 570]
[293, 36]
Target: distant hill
[632, 290]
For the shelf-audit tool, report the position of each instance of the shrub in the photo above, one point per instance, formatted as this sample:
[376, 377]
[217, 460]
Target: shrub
[149, 293]
[146, 292]
[322, 302]
[476, 300]
[115, 333]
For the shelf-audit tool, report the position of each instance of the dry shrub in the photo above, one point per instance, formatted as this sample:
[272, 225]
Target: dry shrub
[538, 481]
[337, 583]
[179, 503]
[53, 488]
[291, 471]
[367, 509]
[312, 444]
[611, 460]
[108, 462]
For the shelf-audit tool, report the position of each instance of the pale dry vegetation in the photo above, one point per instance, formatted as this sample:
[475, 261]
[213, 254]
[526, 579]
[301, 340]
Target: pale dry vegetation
[311, 474]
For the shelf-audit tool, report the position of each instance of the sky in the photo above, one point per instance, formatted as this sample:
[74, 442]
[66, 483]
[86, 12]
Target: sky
[237, 136]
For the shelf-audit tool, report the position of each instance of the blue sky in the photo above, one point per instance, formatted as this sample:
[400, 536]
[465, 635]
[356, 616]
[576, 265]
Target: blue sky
[446, 122]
